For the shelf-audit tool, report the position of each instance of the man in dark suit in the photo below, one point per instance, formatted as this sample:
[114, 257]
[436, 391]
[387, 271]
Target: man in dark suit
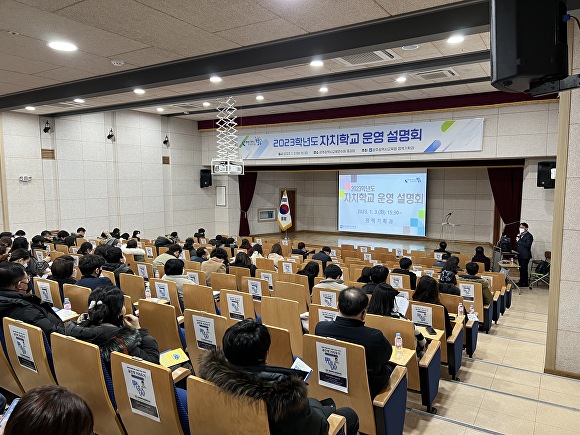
[324, 256]
[524, 241]
[349, 326]
[405, 269]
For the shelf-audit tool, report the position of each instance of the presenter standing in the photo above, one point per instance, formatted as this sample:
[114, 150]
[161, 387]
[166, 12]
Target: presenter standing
[524, 241]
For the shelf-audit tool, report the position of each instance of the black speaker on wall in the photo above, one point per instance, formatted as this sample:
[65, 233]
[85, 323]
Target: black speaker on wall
[528, 43]
[545, 175]
[204, 178]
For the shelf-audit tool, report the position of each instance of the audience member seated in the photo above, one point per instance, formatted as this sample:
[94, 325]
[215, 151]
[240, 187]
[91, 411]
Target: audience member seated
[4, 252]
[131, 248]
[174, 272]
[115, 262]
[239, 369]
[35, 267]
[365, 275]
[379, 274]
[332, 278]
[136, 234]
[20, 233]
[311, 270]
[324, 256]
[448, 283]
[90, 266]
[349, 325]
[471, 275]
[243, 260]
[276, 254]
[50, 410]
[217, 241]
[17, 302]
[256, 253]
[201, 255]
[452, 264]
[108, 325]
[173, 251]
[38, 242]
[63, 271]
[246, 245]
[100, 250]
[301, 250]
[21, 257]
[442, 248]
[428, 292]
[116, 233]
[441, 263]
[384, 303]
[70, 240]
[405, 269]
[7, 234]
[173, 236]
[188, 247]
[480, 257]
[85, 248]
[199, 235]
[81, 232]
[125, 236]
[61, 237]
[218, 259]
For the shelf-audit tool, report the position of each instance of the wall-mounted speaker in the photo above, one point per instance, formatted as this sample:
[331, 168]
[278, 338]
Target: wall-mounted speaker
[204, 178]
[545, 179]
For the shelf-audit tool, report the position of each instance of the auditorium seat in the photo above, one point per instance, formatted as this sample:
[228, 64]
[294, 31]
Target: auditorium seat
[236, 306]
[199, 297]
[294, 292]
[78, 297]
[214, 325]
[160, 320]
[48, 291]
[285, 314]
[470, 328]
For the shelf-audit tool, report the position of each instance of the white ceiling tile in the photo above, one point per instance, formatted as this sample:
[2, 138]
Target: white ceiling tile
[257, 33]
[49, 5]
[65, 74]
[395, 7]
[21, 64]
[148, 56]
[24, 79]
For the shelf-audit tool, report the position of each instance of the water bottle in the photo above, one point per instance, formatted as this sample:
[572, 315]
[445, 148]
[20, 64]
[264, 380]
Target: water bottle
[399, 345]
[156, 273]
[67, 305]
[460, 309]
[471, 310]
[147, 291]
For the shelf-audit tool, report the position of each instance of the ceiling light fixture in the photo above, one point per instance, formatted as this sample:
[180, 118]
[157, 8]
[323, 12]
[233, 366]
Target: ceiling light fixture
[46, 128]
[410, 47]
[401, 79]
[206, 104]
[118, 62]
[259, 97]
[323, 89]
[317, 62]
[215, 79]
[30, 108]
[160, 109]
[79, 100]
[62, 46]
[139, 91]
[456, 39]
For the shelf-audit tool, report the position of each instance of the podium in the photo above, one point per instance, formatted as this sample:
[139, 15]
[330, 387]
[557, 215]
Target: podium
[448, 229]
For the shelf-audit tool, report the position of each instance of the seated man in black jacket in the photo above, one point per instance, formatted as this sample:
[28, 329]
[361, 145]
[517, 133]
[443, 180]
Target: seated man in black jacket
[301, 250]
[324, 256]
[349, 326]
[379, 274]
[405, 266]
[240, 370]
[90, 266]
[17, 303]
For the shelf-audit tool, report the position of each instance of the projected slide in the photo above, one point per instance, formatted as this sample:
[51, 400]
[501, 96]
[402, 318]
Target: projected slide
[389, 202]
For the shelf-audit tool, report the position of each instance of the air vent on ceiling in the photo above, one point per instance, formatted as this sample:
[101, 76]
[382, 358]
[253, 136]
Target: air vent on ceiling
[186, 106]
[437, 74]
[165, 160]
[368, 58]
[47, 154]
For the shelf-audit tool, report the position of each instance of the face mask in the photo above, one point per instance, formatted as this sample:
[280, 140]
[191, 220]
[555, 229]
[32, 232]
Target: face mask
[521, 230]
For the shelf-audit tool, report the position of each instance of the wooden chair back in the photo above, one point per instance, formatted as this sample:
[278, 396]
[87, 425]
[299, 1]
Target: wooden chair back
[269, 276]
[40, 254]
[132, 285]
[78, 297]
[389, 326]
[160, 270]
[128, 373]
[223, 413]
[236, 306]
[287, 267]
[437, 317]
[294, 292]
[280, 353]
[160, 320]
[197, 276]
[193, 265]
[497, 280]
[130, 261]
[285, 314]
[110, 275]
[325, 296]
[257, 288]
[92, 389]
[27, 354]
[145, 270]
[149, 252]
[162, 250]
[128, 304]
[399, 280]
[167, 290]
[79, 241]
[472, 294]
[61, 248]
[318, 313]
[295, 279]
[451, 302]
[8, 379]
[239, 273]
[223, 281]
[200, 329]
[55, 254]
[48, 291]
[265, 264]
[198, 297]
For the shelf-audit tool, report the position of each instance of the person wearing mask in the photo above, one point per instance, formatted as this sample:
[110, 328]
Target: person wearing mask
[480, 257]
[21, 257]
[17, 302]
[81, 232]
[173, 251]
[427, 291]
[136, 235]
[276, 254]
[38, 242]
[110, 327]
[349, 325]
[524, 240]
[90, 266]
[85, 248]
[243, 260]
[201, 255]
[63, 271]
[324, 256]
[311, 270]
[174, 272]
[218, 258]
[471, 275]
[256, 253]
[61, 237]
[132, 249]
[448, 283]
[35, 267]
[239, 368]
[115, 262]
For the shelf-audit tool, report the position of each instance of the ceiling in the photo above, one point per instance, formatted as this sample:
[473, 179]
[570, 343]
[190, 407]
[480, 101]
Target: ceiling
[170, 48]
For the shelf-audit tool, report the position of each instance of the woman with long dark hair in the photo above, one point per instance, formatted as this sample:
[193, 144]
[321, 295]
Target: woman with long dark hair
[311, 270]
[427, 291]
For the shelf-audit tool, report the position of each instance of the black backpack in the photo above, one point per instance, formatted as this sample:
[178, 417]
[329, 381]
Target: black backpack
[162, 241]
[505, 244]
[543, 268]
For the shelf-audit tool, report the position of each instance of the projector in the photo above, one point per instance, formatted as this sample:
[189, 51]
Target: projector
[227, 167]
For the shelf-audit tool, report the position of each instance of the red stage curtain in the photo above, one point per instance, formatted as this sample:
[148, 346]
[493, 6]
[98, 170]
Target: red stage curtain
[246, 187]
[506, 185]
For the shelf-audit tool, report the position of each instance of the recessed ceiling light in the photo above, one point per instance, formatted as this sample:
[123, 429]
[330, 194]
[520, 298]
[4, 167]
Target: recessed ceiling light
[62, 46]
[317, 62]
[323, 89]
[401, 79]
[215, 79]
[259, 97]
[118, 62]
[456, 39]
[79, 100]
[160, 109]
[29, 108]
[139, 91]
[410, 47]
[206, 104]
